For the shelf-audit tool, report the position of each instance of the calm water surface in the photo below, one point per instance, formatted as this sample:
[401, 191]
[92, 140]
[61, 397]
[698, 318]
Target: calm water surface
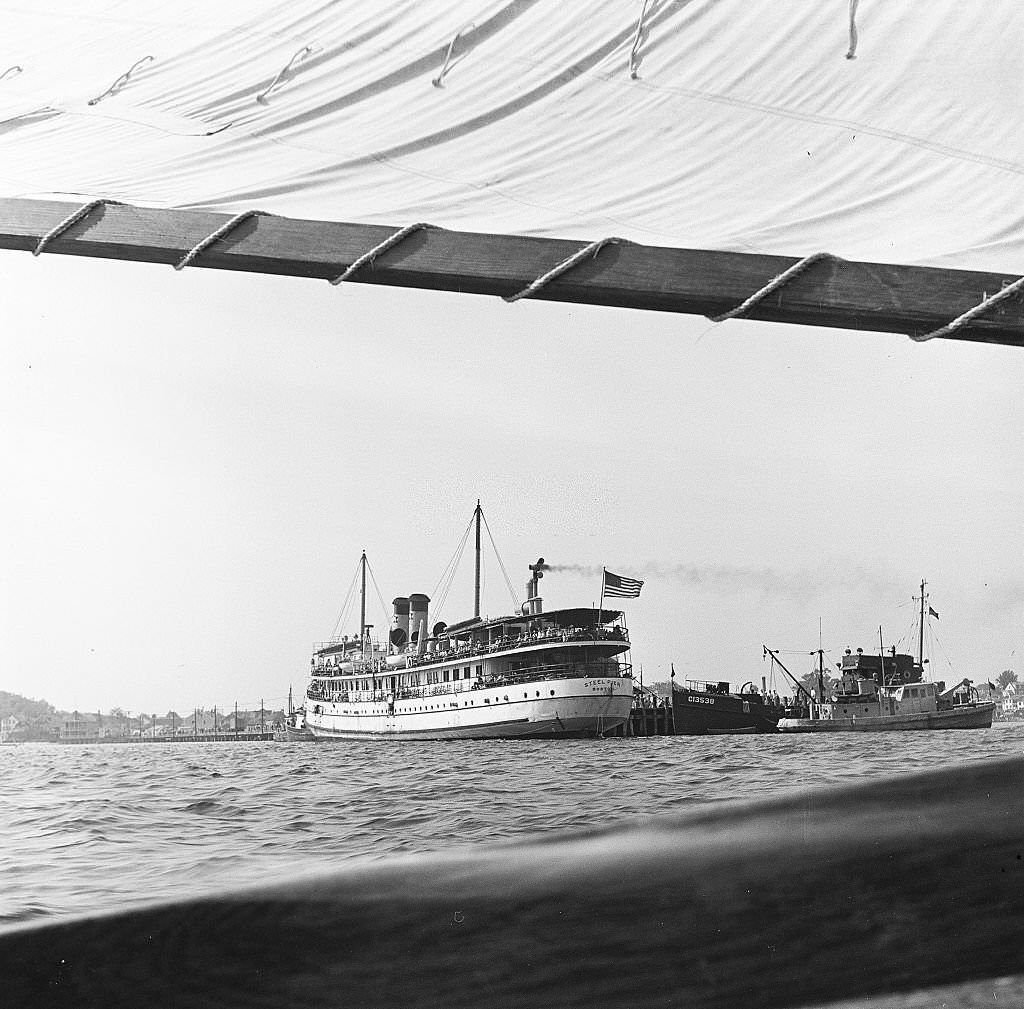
[97, 827]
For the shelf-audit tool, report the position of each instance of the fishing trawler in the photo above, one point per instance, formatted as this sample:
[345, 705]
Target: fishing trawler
[530, 674]
[887, 692]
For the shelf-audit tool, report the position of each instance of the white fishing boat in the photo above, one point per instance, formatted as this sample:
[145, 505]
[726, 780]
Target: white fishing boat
[887, 692]
[528, 674]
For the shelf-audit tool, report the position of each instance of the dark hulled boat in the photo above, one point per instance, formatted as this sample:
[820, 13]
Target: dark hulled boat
[702, 708]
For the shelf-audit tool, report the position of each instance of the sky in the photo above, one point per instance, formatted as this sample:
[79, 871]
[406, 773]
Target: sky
[193, 463]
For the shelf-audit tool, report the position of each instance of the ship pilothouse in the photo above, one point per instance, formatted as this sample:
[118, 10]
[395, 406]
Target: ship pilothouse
[561, 672]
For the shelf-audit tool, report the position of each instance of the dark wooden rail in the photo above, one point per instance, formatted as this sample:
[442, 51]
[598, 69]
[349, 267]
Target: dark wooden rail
[850, 295]
[895, 885]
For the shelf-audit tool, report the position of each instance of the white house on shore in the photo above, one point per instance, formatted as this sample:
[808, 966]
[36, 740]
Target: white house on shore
[1013, 699]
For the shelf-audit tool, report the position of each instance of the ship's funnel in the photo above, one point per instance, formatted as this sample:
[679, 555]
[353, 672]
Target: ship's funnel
[534, 603]
[418, 603]
[399, 635]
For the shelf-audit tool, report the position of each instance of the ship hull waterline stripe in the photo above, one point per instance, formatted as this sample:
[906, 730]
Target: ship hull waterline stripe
[514, 728]
[834, 293]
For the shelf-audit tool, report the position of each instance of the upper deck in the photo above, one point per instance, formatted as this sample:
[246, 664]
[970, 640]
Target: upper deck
[523, 634]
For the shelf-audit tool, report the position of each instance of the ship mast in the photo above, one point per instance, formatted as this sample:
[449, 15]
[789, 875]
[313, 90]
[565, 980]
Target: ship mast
[362, 607]
[821, 665]
[476, 583]
[920, 640]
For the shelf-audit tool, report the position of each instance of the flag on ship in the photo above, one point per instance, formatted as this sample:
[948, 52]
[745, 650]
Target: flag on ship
[933, 613]
[620, 586]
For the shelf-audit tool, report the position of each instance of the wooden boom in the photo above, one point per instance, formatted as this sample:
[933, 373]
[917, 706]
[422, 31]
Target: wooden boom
[894, 885]
[838, 293]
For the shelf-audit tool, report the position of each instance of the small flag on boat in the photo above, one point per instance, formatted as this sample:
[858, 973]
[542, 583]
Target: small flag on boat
[932, 613]
[619, 585]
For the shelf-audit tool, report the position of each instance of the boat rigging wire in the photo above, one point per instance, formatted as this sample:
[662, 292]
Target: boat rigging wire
[380, 597]
[346, 603]
[444, 583]
[448, 575]
[494, 547]
[933, 643]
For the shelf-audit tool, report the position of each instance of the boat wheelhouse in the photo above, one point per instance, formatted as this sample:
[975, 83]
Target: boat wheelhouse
[536, 674]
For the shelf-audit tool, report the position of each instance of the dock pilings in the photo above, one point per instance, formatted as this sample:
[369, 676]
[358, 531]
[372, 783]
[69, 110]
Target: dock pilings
[647, 718]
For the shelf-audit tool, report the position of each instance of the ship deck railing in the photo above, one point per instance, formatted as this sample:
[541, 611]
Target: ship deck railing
[550, 636]
[707, 686]
[518, 677]
[504, 644]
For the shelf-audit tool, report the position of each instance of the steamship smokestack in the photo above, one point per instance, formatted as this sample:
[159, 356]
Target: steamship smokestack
[534, 603]
[399, 635]
[418, 603]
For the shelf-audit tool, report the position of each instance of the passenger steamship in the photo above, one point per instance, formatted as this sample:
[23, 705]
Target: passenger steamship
[531, 674]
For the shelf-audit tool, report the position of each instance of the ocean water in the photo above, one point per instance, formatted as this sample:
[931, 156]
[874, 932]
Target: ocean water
[88, 828]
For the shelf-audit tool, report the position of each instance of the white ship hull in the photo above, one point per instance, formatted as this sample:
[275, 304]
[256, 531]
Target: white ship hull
[549, 709]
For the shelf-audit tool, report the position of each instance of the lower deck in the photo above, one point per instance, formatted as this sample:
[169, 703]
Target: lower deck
[550, 708]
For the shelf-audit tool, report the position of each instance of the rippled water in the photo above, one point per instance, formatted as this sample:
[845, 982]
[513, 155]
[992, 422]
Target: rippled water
[96, 827]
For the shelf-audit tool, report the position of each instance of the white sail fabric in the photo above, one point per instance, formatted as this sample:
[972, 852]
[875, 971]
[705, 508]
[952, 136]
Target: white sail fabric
[743, 125]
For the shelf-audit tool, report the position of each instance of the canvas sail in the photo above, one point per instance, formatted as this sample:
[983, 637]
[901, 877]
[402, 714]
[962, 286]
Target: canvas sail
[880, 132]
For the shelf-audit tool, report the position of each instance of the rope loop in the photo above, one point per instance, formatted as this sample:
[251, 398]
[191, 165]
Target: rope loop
[851, 53]
[563, 267]
[972, 313]
[121, 81]
[82, 212]
[634, 53]
[378, 250]
[264, 96]
[773, 285]
[11, 71]
[223, 230]
[448, 65]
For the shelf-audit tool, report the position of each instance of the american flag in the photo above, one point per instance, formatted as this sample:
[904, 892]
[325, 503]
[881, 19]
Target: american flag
[619, 585]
